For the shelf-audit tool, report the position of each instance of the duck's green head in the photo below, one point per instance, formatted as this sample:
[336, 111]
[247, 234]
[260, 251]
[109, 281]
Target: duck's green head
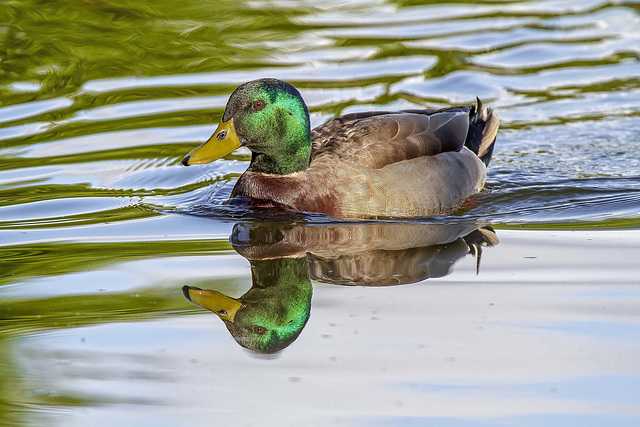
[269, 117]
[271, 315]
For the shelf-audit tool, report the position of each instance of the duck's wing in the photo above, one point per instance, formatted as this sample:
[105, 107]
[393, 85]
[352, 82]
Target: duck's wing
[377, 139]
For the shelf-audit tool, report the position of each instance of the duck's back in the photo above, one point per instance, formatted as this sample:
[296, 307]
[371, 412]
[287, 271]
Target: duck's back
[377, 139]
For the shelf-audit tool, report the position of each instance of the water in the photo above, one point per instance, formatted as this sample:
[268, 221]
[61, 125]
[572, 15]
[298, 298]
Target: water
[100, 227]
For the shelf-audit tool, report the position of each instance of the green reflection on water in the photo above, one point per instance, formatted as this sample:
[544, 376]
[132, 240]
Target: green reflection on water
[64, 44]
[20, 262]
[23, 317]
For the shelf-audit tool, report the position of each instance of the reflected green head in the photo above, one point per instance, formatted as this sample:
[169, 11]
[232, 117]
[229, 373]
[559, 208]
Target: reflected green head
[276, 308]
[271, 315]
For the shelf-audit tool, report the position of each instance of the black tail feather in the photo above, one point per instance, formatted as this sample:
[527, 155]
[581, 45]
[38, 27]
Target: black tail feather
[483, 127]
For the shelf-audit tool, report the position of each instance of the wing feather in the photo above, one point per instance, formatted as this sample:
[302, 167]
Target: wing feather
[375, 139]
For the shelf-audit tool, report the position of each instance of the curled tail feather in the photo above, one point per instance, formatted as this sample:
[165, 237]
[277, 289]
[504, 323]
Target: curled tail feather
[483, 128]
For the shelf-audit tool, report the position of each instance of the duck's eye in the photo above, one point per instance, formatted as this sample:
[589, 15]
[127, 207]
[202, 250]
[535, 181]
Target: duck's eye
[257, 105]
[260, 330]
[222, 135]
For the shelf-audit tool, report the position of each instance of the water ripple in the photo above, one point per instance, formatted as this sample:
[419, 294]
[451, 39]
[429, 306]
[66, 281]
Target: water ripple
[98, 138]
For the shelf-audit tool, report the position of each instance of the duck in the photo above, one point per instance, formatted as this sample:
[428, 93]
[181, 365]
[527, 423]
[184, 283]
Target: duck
[376, 164]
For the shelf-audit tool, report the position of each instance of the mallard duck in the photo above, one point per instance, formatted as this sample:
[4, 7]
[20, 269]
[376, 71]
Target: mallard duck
[411, 163]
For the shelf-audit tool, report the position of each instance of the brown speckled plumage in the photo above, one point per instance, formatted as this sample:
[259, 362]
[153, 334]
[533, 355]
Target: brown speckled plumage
[366, 254]
[404, 164]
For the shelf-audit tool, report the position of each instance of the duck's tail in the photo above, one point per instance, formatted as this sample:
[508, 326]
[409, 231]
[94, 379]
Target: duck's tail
[483, 127]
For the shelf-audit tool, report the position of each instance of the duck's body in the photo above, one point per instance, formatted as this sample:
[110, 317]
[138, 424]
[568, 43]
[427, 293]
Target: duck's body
[404, 164]
[378, 164]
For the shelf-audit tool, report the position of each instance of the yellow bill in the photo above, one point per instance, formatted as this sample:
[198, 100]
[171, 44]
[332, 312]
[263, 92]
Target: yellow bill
[225, 307]
[223, 142]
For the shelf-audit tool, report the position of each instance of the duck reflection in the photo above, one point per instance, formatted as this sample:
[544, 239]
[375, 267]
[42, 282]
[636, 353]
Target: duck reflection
[285, 257]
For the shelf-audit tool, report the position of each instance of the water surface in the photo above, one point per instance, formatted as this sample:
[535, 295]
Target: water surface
[101, 228]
